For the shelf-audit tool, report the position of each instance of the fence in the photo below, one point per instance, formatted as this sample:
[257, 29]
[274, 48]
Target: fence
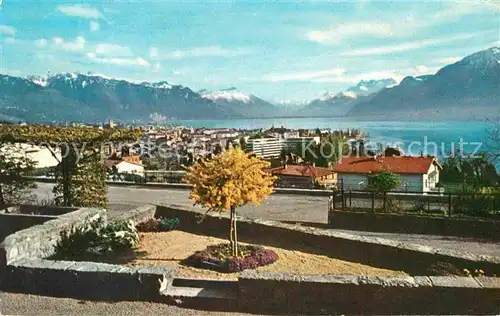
[429, 203]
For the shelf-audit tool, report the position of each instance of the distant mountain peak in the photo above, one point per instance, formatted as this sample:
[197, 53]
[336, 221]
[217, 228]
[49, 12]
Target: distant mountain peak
[363, 88]
[228, 95]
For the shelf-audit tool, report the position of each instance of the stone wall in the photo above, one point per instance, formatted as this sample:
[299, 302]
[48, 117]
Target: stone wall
[138, 215]
[377, 252]
[39, 241]
[351, 294]
[412, 224]
[11, 223]
[87, 280]
[25, 269]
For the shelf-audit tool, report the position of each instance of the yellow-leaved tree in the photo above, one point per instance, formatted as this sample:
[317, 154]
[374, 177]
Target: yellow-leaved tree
[227, 181]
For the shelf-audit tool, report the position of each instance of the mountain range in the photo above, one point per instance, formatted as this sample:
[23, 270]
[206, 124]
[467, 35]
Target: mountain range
[469, 88]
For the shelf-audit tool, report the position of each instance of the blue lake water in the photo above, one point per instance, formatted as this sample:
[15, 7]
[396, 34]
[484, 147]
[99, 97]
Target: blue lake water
[412, 136]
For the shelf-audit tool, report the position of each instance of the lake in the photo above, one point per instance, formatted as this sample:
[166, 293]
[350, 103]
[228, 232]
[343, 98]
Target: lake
[413, 137]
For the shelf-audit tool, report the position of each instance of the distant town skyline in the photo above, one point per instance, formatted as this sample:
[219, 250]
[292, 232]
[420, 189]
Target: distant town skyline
[278, 51]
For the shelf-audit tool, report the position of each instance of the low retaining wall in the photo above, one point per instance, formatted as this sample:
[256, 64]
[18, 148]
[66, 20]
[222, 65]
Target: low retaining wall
[24, 268]
[39, 240]
[412, 224]
[11, 223]
[336, 294]
[87, 280]
[377, 252]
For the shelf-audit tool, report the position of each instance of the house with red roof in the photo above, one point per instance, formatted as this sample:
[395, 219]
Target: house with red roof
[303, 176]
[126, 164]
[417, 174]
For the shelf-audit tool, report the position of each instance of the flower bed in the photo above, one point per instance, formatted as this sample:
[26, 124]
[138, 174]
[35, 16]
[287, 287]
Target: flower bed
[218, 258]
[158, 225]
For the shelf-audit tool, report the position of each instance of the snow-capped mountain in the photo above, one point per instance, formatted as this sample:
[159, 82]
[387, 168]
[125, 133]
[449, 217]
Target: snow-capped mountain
[228, 95]
[467, 89]
[246, 105]
[75, 96]
[339, 104]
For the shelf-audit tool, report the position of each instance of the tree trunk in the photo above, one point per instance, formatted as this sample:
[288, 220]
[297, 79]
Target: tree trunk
[2, 200]
[233, 238]
[231, 227]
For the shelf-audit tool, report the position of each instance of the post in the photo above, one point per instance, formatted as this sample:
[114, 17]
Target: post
[385, 201]
[373, 201]
[342, 193]
[449, 204]
[350, 199]
[334, 195]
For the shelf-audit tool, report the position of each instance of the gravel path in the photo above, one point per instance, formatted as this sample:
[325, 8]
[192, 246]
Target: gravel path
[23, 304]
[281, 207]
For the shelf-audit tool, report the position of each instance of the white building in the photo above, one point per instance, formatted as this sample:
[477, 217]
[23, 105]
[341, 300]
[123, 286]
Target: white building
[126, 167]
[416, 174]
[272, 147]
[265, 147]
[42, 157]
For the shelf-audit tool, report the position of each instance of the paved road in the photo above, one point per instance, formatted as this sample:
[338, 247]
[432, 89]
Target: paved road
[22, 304]
[276, 207]
[280, 207]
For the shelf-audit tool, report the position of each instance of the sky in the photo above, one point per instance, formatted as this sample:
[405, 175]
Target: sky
[277, 50]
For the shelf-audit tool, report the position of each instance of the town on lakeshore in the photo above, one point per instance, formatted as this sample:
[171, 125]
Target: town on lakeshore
[231, 158]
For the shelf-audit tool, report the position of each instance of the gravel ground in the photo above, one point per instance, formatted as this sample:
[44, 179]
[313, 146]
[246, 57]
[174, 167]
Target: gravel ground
[170, 248]
[23, 304]
[281, 207]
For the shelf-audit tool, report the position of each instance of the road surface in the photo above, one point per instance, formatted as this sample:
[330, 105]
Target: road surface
[279, 207]
[276, 207]
[31, 305]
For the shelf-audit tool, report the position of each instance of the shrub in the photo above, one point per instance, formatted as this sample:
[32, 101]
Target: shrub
[167, 224]
[95, 239]
[158, 225]
[149, 226]
[444, 269]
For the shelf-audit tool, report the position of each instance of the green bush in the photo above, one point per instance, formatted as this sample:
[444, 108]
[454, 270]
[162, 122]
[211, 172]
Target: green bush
[167, 224]
[96, 239]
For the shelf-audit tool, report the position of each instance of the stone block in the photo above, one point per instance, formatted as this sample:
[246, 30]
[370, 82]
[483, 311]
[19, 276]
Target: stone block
[454, 282]
[489, 282]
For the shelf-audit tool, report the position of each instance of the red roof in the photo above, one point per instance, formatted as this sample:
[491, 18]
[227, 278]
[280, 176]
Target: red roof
[396, 164]
[301, 171]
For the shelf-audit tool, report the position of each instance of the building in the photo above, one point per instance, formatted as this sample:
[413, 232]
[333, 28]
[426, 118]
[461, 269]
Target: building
[303, 176]
[271, 147]
[41, 157]
[122, 166]
[416, 174]
[265, 147]
[299, 142]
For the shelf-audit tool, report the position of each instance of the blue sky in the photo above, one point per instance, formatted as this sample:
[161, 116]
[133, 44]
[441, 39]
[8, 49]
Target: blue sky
[279, 50]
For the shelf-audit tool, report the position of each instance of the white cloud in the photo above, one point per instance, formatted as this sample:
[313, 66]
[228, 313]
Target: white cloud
[136, 62]
[209, 51]
[405, 46]
[41, 42]
[375, 75]
[107, 49]
[397, 75]
[9, 30]
[301, 76]
[79, 10]
[77, 45]
[348, 30]
[94, 26]
[153, 52]
[10, 40]
[457, 9]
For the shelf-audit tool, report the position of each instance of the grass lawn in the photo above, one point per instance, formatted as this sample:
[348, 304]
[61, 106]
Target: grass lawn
[170, 248]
